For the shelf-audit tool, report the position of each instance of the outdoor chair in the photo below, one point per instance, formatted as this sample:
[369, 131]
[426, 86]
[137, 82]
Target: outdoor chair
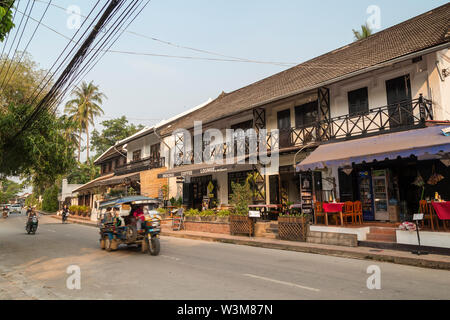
[358, 213]
[319, 212]
[427, 213]
[348, 211]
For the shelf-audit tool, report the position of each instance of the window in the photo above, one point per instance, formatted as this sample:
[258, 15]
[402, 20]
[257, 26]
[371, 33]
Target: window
[155, 151]
[306, 114]
[358, 101]
[137, 155]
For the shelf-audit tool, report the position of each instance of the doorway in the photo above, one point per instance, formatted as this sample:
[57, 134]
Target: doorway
[398, 93]
[284, 126]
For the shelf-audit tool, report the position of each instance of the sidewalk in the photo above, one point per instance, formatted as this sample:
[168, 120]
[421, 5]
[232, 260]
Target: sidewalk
[400, 257]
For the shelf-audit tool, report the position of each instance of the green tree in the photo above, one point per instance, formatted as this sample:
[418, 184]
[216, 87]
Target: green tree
[83, 173]
[26, 82]
[9, 190]
[114, 130]
[364, 33]
[50, 199]
[40, 152]
[241, 197]
[83, 108]
[6, 18]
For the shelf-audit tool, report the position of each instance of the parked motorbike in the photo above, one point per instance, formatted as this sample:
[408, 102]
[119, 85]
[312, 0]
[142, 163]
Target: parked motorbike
[5, 213]
[32, 225]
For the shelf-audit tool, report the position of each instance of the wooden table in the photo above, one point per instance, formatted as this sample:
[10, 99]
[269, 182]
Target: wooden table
[442, 209]
[334, 208]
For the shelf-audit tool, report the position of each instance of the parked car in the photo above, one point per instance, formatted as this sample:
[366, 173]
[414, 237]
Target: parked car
[15, 208]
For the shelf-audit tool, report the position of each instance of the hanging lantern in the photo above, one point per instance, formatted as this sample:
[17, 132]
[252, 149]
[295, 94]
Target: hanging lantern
[347, 170]
[435, 177]
[419, 181]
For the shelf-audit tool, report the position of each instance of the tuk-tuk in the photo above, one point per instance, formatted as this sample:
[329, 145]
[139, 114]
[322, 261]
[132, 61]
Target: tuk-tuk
[131, 221]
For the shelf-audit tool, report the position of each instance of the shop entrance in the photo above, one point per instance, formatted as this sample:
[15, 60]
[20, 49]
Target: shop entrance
[196, 190]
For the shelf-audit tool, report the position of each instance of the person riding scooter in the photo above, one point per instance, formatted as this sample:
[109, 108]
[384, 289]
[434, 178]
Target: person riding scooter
[65, 213]
[33, 218]
[5, 212]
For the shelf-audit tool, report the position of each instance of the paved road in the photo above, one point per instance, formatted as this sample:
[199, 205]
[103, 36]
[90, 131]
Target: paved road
[34, 267]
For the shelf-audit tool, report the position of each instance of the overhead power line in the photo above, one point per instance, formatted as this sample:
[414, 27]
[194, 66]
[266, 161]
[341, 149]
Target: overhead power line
[307, 65]
[228, 57]
[24, 50]
[74, 64]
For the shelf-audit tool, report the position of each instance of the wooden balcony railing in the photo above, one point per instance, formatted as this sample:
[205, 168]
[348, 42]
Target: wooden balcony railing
[404, 115]
[140, 165]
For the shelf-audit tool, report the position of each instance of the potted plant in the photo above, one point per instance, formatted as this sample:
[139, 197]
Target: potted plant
[240, 223]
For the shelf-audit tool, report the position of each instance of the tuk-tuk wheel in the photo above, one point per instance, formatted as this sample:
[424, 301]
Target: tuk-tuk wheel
[153, 246]
[102, 244]
[107, 244]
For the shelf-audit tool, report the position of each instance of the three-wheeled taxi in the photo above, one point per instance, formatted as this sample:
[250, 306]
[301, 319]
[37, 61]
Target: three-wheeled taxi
[133, 221]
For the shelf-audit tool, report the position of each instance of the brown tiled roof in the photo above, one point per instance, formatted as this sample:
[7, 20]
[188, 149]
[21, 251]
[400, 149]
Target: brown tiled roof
[422, 32]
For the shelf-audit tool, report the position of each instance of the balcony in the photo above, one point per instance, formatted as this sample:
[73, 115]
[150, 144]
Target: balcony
[404, 115]
[140, 165]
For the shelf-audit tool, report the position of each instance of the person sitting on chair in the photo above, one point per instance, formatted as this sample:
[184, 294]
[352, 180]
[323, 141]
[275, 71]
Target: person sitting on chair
[117, 218]
[139, 216]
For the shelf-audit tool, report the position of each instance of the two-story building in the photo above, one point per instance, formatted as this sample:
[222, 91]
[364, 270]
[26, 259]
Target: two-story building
[375, 96]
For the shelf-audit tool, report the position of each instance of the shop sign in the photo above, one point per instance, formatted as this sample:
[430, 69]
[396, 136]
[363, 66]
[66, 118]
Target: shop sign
[254, 214]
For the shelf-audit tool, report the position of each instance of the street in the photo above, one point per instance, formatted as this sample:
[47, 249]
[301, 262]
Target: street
[35, 267]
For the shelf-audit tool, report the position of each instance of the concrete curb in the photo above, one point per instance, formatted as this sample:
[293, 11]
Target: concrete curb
[76, 221]
[409, 261]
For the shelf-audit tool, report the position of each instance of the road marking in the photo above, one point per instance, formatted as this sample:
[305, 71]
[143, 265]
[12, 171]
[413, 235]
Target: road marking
[171, 258]
[282, 282]
[50, 230]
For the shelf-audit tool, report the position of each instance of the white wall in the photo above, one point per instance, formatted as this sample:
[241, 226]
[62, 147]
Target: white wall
[439, 90]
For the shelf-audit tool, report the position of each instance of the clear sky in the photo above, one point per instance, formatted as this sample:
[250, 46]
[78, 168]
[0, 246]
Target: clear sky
[148, 88]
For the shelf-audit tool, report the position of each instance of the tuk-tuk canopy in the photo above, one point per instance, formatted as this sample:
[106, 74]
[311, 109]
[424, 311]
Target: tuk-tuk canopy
[129, 200]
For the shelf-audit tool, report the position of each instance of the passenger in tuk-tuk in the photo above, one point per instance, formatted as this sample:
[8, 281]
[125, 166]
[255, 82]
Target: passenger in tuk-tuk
[138, 214]
[117, 218]
[108, 217]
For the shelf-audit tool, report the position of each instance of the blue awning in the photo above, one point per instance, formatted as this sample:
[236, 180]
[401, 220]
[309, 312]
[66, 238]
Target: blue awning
[419, 143]
[130, 199]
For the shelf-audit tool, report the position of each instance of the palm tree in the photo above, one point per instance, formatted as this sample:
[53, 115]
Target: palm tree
[69, 130]
[364, 33]
[83, 108]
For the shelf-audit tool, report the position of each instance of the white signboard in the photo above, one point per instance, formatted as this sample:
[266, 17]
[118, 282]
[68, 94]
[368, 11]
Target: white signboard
[254, 214]
[418, 216]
